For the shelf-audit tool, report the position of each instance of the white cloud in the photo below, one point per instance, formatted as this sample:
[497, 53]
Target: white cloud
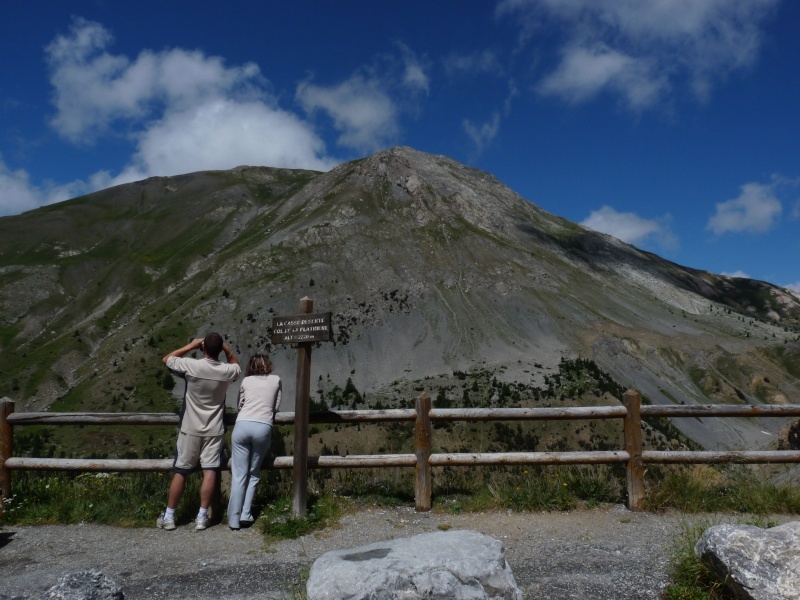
[222, 134]
[415, 74]
[482, 62]
[795, 287]
[362, 111]
[416, 77]
[93, 88]
[365, 109]
[755, 210]
[482, 135]
[740, 274]
[18, 194]
[641, 50]
[585, 72]
[184, 111]
[631, 228]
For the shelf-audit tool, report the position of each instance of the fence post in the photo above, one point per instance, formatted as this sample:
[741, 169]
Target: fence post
[633, 446]
[301, 410]
[422, 448]
[6, 448]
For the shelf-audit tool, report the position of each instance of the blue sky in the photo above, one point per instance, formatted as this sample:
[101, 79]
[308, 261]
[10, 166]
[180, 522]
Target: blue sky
[671, 124]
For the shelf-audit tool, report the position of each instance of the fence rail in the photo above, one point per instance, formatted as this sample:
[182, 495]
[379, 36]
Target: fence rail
[423, 460]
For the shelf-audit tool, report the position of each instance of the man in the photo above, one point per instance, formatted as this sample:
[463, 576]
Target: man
[202, 430]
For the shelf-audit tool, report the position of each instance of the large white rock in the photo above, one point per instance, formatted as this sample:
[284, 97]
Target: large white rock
[758, 564]
[461, 565]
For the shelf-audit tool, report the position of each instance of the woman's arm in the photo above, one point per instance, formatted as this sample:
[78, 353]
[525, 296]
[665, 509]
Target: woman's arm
[240, 404]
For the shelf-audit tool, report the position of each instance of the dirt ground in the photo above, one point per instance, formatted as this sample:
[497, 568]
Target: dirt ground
[606, 552]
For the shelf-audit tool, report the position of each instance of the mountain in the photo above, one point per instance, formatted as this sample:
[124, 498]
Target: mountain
[431, 269]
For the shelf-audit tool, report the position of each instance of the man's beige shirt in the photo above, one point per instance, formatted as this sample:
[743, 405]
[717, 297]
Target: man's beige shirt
[207, 383]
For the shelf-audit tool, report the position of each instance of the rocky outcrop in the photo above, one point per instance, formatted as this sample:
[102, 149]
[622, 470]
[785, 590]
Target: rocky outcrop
[450, 564]
[755, 563]
[81, 585]
[84, 585]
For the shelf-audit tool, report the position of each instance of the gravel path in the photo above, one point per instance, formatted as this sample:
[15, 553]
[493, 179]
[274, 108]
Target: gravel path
[607, 552]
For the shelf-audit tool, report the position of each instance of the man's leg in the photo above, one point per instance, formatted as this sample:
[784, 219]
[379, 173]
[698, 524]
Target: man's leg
[206, 495]
[207, 487]
[176, 488]
[210, 463]
[187, 455]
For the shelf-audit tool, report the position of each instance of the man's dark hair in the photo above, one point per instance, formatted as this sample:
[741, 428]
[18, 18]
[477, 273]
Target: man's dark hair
[212, 344]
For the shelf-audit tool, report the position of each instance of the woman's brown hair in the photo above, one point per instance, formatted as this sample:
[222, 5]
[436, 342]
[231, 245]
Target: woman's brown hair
[259, 364]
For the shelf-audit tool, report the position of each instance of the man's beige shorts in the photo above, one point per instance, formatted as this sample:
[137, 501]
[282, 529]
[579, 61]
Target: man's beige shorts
[194, 450]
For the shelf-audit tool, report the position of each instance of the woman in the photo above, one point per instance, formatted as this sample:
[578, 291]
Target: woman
[259, 400]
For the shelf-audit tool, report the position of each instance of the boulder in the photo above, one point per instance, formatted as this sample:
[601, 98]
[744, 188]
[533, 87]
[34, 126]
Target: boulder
[84, 585]
[756, 563]
[462, 565]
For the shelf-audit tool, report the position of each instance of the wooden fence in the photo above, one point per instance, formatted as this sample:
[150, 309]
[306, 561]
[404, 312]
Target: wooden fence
[631, 412]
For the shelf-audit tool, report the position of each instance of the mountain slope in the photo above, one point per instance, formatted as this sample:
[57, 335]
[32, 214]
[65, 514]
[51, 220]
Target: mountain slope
[428, 265]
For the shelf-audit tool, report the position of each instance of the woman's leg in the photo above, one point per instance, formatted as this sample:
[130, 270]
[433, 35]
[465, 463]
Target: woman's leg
[259, 448]
[240, 461]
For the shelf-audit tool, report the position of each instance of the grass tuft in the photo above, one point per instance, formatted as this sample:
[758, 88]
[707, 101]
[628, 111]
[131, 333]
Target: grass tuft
[701, 488]
[527, 489]
[691, 579]
[277, 522]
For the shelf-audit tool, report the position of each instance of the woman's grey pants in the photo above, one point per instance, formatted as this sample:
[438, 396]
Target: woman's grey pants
[249, 447]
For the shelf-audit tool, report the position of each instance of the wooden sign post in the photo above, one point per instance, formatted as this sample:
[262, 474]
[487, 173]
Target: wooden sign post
[302, 329]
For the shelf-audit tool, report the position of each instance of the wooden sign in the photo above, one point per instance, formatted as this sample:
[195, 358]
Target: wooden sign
[297, 329]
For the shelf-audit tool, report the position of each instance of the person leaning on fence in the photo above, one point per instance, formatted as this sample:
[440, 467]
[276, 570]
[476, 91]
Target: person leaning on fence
[202, 430]
[259, 400]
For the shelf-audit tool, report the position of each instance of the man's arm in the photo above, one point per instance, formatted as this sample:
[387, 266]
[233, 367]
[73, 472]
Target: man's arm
[195, 344]
[229, 355]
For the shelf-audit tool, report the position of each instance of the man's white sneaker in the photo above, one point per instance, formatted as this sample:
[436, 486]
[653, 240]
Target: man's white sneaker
[163, 523]
[201, 523]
